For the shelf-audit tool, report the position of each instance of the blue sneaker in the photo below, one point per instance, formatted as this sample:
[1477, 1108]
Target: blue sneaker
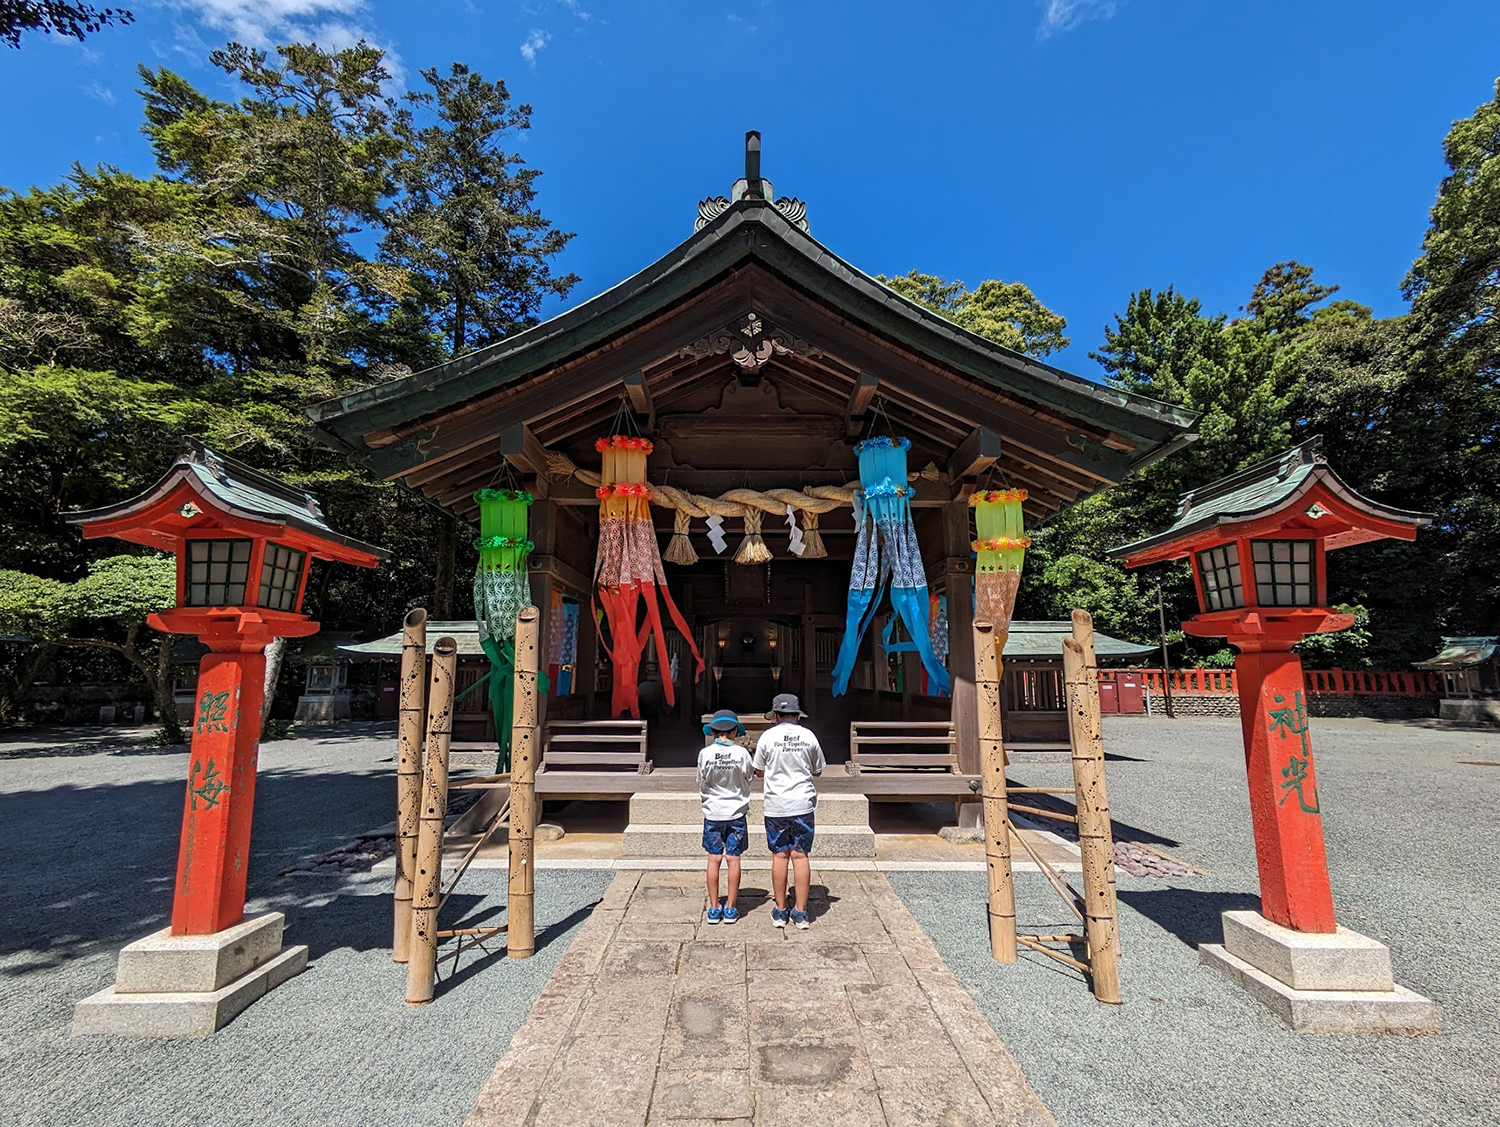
[731, 915]
[715, 914]
[778, 917]
[800, 919]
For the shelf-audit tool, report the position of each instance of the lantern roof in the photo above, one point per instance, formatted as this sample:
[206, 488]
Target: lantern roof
[1462, 653]
[1294, 491]
[204, 491]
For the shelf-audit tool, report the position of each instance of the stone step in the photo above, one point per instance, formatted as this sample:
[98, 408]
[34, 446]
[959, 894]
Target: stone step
[648, 839]
[684, 807]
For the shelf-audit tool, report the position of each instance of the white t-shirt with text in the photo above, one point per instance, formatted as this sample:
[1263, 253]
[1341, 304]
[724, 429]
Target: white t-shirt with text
[724, 781]
[790, 756]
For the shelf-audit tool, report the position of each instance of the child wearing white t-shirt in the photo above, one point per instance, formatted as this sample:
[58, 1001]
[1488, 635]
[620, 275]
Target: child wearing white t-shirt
[789, 757]
[724, 787]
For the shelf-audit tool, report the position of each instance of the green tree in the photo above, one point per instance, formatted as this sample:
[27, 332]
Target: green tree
[104, 610]
[74, 21]
[466, 225]
[1007, 313]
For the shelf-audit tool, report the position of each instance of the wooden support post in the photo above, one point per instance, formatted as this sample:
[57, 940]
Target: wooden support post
[958, 584]
[524, 751]
[408, 772]
[996, 812]
[421, 966]
[1095, 840]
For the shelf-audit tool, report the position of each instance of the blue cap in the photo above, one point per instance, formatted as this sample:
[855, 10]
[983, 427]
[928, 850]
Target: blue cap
[724, 720]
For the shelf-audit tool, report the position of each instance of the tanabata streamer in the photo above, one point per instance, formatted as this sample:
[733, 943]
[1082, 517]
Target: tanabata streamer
[886, 556]
[502, 587]
[628, 573]
[1001, 547]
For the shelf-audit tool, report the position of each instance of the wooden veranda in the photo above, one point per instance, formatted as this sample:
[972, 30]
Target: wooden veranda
[754, 358]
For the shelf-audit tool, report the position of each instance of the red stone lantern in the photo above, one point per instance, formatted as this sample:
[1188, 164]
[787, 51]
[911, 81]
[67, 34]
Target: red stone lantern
[1257, 541]
[244, 542]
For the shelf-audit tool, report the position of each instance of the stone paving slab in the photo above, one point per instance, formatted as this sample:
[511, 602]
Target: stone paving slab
[655, 1018]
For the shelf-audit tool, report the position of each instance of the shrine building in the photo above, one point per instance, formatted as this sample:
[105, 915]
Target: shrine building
[753, 359]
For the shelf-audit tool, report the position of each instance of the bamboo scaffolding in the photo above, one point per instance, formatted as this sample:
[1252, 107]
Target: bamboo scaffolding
[1039, 812]
[408, 773]
[996, 813]
[421, 967]
[521, 940]
[468, 858]
[1094, 837]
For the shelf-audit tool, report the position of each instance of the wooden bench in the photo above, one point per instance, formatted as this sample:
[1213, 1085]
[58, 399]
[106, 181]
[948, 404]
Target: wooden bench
[927, 746]
[594, 744]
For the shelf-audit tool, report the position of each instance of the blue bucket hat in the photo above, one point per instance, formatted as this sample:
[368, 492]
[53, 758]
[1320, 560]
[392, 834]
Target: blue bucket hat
[725, 720]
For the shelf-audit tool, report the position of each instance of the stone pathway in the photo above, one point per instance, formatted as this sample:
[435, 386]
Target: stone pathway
[655, 1018]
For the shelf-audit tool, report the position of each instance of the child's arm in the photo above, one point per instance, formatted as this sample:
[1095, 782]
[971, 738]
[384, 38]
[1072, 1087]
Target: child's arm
[818, 762]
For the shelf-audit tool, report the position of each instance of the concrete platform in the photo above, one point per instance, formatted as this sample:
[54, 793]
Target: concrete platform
[182, 1013]
[670, 824]
[1327, 1011]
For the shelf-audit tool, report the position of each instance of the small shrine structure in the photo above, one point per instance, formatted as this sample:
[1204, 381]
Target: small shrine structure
[742, 369]
[1470, 667]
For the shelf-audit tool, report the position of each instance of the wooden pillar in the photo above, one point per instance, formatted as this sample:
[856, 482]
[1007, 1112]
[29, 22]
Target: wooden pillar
[809, 642]
[542, 531]
[408, 772]
[1095, 836]
[524, 752]
[958, 572]
[996, 801]
[421, 966]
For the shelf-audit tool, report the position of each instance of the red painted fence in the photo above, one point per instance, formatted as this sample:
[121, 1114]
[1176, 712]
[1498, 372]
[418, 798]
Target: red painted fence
[1345, 682]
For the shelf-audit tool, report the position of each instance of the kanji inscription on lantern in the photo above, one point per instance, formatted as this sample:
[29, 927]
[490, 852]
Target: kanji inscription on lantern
[1293, 721]
[209, 788]
[212, 710]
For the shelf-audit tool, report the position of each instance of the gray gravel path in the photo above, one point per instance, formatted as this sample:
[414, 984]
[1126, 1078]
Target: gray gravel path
[1413, 837]
[89, 844]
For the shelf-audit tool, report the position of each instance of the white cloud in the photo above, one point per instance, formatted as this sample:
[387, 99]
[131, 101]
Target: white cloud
[532, 45]
[577, 9]
[331, 24]
[748, 27]
[100, 93]
[1065, 15]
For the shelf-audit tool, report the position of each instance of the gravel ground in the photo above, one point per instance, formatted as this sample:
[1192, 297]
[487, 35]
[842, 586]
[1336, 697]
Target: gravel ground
[90, 843]
[1413, 834]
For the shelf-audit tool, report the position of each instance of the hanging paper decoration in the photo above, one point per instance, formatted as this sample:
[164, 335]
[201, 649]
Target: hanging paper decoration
[886, 556]
[502, 587]
[628, 572]
[1001, 546]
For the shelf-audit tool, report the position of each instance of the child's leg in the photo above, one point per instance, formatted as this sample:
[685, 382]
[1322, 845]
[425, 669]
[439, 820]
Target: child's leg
[713, 878]
[733, 877]
[778, 878]
[801, 876]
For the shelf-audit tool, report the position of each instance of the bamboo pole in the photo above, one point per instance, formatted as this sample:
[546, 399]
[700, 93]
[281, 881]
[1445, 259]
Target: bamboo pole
[1094, 837]
[521, 939]
[408, 772]
[421, 967]
[1091, 662]
[996, 812]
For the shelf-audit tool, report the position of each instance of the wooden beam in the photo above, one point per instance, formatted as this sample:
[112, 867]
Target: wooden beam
[859, 401]
[519, 447]
[975, 454]
[640, 399]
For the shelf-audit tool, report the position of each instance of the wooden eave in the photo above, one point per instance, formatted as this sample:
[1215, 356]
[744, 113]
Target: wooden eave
[1062, 436]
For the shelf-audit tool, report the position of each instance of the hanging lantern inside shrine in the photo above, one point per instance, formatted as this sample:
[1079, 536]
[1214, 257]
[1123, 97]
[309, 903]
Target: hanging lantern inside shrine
[628, 574]
[1001, 547]
[886, 556]
[502, 586]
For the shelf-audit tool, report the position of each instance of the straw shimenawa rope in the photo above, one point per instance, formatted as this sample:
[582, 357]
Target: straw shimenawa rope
[749, 505]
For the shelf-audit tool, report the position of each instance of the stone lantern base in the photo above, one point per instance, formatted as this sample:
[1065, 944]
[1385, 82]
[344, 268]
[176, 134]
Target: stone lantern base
[1339, 983]
[189, 985]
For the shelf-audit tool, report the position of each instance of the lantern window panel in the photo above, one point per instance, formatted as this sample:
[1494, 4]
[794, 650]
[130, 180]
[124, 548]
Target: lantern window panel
[280, 577]
[217, 571]
[1283, 572]
[1219, 571]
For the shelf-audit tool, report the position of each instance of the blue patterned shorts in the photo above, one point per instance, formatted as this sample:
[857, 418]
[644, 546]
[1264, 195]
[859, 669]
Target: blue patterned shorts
[786, 834]
[729, 837]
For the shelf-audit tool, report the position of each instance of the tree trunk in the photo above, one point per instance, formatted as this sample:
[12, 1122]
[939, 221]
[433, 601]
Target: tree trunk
[442, 594]
[30, 666]
[275, 652]
[159, 680]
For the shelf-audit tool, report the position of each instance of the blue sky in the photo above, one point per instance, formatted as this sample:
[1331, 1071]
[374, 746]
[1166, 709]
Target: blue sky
[1085, 147]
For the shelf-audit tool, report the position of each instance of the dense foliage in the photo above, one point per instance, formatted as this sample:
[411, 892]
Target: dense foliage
[55, 17]
[308, 239]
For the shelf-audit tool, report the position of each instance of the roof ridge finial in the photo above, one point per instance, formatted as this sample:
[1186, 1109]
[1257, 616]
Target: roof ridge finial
[754, 186]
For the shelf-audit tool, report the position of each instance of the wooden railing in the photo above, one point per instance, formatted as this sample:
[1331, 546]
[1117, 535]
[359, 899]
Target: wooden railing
[1341, 682]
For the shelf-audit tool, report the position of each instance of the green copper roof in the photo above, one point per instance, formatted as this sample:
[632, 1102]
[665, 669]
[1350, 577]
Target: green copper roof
[1262, 488]
[1462, 653]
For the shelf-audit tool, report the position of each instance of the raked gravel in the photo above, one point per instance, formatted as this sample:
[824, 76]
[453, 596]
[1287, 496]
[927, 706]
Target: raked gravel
[1413, 839]
[89, 843]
